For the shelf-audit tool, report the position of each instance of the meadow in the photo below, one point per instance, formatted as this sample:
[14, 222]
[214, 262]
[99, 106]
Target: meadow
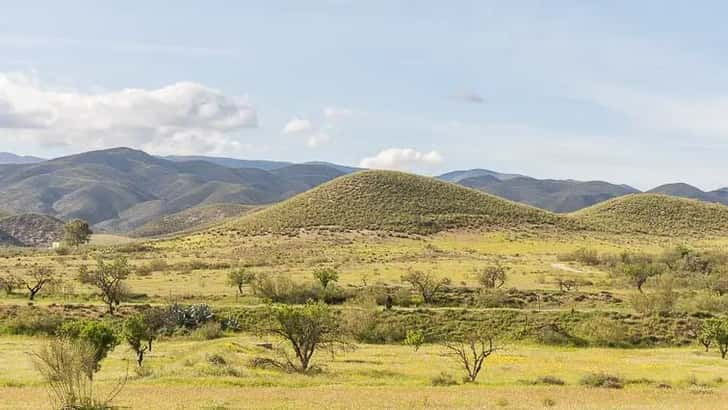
[657, 361]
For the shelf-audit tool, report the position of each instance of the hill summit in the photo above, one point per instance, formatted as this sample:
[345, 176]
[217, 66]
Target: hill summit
[656, 214]
[394, 201]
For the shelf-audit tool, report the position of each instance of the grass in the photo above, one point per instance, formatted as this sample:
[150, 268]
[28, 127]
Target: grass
[394, 201]
[657, 215]
[194, 218]
[385, 377]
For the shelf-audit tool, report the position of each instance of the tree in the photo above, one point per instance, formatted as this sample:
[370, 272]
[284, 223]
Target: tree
[306, 329]
[470, 352]
[76, 232]
[239, 278]
[638, 272]
[492, 277]
[720, 336]
[139, 335]
[426, 284]
[414, 338]
[109, 279]
[707, 333]
[9, 283]
[326, 276]
[39, 277]
[99, 335]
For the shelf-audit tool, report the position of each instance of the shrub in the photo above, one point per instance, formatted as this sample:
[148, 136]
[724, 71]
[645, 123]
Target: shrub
[549, 380]
[208, 331]
[491, 277]
[602, 380]
[601, 331]
[444, 379]
[32, 323]
[585, 256]
[99, 335]
[415, 339]
[66, 365]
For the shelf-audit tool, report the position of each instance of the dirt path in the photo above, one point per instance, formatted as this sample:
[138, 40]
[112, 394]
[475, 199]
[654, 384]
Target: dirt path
[565, 267]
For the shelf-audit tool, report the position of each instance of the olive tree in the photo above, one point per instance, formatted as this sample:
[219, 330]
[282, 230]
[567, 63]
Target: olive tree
[139, 333]
[238, 278]
[492, 277]
[76, 232]
[306, 329]
[326, 276]
[426, 284]
[470, 352]
[638, 272]
[109, 279]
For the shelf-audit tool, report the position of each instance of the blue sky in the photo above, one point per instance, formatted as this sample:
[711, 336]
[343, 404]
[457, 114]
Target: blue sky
[624, 91]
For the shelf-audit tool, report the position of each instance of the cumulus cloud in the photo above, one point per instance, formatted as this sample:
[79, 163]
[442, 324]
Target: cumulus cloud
[318, 139]
[298, 126]
[401, 159]
[183, 117]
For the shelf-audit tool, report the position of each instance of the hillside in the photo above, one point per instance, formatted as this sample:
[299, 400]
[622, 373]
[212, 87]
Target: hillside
[553, 195]
[457, 176]
[10, 158]
[121, 189]
[656, 214]
[31, 230]
[191, 219]
[394, 201]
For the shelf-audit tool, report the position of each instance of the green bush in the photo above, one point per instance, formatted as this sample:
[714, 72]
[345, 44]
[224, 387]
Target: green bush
[549, 380]
[444, 379]
[208, 331]
[602, 380]
[32, 323]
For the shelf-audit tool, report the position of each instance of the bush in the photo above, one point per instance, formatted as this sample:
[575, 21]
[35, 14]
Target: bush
[601, 331]
[444, 379]
[585, 256]
[549, 380]
[32, 323]
[208, 331]
[602, 380]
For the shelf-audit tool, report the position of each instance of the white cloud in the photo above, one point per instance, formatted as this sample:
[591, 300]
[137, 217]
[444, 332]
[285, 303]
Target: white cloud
[401, 159]
[318, 139]
[180, 118]
[334, 113]
[298, 126]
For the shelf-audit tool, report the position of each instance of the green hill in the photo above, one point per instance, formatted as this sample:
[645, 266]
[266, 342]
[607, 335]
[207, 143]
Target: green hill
[394, 201]
[656, 214]
[191, 219]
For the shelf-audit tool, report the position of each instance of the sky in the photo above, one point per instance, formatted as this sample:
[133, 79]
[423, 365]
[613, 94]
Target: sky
[623, 91]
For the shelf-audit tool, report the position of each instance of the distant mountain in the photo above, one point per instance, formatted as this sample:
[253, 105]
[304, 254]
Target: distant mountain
[121, 189]
[691, 192]
[554, 195]
[30, 230]
[457, 176]
[191, 219]
[9, 158]
[231, 162]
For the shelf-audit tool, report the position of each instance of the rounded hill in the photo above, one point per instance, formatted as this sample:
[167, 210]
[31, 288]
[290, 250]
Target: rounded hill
[394, 201]
[656, 214]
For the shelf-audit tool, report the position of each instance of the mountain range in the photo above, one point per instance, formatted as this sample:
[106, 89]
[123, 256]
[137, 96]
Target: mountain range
[123, 190]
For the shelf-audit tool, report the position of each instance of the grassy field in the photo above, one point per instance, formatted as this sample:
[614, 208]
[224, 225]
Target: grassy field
[180, 375]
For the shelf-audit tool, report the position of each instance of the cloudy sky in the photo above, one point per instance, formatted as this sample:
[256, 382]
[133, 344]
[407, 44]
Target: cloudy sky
[626, 91]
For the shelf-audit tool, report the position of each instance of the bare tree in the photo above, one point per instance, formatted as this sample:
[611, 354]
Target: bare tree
[39, 277]
[426, 284]
[470, 352]
[109, 279]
